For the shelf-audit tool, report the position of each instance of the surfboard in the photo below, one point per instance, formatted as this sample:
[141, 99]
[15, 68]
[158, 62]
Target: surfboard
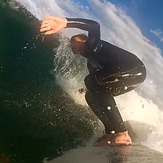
[111, 154]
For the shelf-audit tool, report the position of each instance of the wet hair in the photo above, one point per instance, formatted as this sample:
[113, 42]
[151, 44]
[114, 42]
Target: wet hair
[82, 37]
[78, 44]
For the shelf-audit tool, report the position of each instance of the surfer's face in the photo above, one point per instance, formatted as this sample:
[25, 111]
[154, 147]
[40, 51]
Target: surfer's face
[78, 44]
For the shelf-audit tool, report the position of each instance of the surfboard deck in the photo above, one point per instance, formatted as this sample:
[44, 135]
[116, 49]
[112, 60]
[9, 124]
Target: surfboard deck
[111, 154]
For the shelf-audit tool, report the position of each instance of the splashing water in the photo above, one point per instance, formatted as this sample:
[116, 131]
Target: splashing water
[70, 70]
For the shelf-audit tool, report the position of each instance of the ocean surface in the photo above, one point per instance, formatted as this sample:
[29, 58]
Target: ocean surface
[42, 114]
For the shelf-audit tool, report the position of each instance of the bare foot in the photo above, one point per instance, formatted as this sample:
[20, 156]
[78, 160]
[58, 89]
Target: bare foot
[123, 138]
[114, 139]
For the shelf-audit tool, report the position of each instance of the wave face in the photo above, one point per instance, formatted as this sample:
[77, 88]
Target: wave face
[142, 105]
[37, 118]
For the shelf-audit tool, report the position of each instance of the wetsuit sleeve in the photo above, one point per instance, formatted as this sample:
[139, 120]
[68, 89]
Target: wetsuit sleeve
[91, 26]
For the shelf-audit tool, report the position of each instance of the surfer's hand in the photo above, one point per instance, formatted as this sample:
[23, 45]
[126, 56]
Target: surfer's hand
[123, 138]
[52, 24]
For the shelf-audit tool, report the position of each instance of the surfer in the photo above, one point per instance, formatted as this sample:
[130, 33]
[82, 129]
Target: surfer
[112, 72]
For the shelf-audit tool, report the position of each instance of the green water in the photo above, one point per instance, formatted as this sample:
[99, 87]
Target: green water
[37, 119]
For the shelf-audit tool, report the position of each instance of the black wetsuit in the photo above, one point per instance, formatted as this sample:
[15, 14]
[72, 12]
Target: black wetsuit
[112, 71]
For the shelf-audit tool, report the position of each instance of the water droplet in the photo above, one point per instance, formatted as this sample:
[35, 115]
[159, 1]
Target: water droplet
[125, 88]
[112, 132]
[109, 142]
[109, 108]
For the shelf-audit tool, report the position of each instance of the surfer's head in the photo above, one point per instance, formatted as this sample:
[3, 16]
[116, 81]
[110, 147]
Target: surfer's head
[78, 43]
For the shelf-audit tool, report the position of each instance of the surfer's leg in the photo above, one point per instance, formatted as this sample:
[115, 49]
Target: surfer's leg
[124, 82]
[104, 106]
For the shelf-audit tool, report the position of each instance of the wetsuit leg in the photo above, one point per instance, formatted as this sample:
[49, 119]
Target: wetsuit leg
[104, 106]
[100, 95]
[123, 82]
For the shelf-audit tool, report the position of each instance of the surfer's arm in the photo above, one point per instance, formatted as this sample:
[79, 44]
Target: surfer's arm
[52, 25]
[91, 26]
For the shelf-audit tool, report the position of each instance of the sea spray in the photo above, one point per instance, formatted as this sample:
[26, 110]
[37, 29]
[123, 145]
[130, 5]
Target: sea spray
[70, 70]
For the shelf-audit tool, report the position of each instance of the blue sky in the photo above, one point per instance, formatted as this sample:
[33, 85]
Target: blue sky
[147, 14]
